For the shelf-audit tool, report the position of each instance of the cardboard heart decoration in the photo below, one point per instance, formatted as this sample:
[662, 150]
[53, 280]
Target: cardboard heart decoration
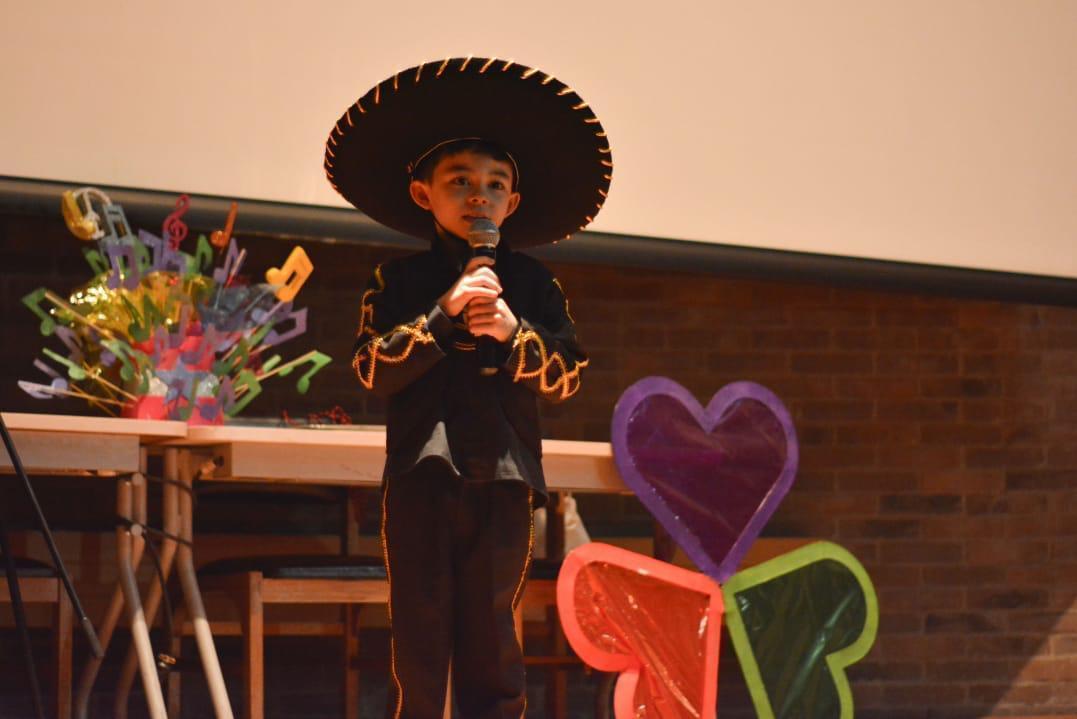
[656, 624]
[711, 476]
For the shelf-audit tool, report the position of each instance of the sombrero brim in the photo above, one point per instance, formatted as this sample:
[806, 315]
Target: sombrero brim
[559, 145]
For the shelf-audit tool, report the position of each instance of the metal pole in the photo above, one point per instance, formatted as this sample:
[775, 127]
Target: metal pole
[87, 625]
[20, 620]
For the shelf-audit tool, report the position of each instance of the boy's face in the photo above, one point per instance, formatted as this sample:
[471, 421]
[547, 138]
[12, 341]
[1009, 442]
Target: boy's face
[464, 187]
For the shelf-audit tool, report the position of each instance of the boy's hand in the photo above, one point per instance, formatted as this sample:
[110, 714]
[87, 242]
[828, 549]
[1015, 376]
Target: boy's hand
[478, 281]
[491, 317]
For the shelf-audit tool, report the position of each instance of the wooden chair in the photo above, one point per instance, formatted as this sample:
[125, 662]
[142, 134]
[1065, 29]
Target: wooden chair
[40, 584]
[255, 582]
[252, 583]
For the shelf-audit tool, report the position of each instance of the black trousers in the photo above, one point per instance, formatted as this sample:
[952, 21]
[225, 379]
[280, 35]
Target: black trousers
[457, 555]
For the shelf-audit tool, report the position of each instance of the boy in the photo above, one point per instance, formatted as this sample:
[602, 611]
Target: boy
[462, 345]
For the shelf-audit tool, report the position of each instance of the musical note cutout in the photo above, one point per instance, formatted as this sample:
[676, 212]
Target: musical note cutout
[124, 264]
[165, 259]
[299, 317]
[236, 359]
[220, 239]
[82, 224]
[235, 395]
[57, 385]
[657, 624]
[41, 391]
[291, 276]
[44, 391]
[133, 363]
[142, 322]
[143, 259]
[33, 301]
[118, 229]
[74, 371]
[203, 257]
[98, 264]
[232, 261]
[797, 622]
[317, 361]
[174, 229]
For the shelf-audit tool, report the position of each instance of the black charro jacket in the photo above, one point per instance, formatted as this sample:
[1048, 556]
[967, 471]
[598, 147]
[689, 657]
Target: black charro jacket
[439, 404]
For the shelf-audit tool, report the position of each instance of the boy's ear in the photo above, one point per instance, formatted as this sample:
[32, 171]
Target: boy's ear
[514, 202]
[420, 193]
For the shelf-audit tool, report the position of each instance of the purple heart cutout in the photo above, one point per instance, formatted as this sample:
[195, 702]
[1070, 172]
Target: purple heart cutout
[712, 477]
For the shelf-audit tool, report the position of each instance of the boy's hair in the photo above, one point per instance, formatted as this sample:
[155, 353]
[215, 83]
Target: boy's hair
[423, 168]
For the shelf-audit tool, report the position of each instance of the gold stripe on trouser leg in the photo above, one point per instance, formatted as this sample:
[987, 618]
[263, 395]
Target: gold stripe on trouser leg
[518, 594]
[389, 579]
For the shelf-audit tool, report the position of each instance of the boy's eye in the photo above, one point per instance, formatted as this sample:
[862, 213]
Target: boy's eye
[459, 180]
[497, 185]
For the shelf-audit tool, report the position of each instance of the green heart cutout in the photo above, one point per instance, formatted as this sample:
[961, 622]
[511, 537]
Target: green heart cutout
[797, 621]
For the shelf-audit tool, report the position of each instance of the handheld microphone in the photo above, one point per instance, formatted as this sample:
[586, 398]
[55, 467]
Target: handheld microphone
[483, 237]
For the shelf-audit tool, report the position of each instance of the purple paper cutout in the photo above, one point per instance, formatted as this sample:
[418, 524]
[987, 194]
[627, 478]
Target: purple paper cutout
[165, 259]
[299, 318]
[712, 477]
[130, 274]
[232, 262]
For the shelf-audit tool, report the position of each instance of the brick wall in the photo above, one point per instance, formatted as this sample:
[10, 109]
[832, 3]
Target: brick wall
[938, 442]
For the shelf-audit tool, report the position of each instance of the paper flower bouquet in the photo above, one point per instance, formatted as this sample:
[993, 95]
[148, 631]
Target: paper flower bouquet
[152, 335]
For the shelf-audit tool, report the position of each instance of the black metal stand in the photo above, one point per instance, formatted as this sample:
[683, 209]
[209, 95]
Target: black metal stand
[13, 580]
[20, 619]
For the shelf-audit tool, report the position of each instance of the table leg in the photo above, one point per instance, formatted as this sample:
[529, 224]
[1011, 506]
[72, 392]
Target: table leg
[171, 522]
[193, 598]
[64, 625]
[105, 629]
[140, 635]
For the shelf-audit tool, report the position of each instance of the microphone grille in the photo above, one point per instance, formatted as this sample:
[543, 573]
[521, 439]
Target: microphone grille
[483, 232]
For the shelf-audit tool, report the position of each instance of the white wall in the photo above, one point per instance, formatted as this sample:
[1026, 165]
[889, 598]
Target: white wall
[940, 131]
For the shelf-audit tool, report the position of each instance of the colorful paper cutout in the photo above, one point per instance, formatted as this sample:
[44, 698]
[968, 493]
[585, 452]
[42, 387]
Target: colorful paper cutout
[291, 276]
[657, 624]
[797, 622]
[153, 336]
[174, 229]
[712, 477]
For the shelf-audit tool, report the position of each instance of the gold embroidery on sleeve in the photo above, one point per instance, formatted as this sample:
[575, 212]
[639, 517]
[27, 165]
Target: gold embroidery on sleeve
[366, 310]
[567, 383]
[371, 352]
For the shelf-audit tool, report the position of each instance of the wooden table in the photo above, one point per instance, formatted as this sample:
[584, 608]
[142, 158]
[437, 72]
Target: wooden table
[103, 447]
[355, 455]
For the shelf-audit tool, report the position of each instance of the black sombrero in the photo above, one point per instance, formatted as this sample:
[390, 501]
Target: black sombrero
[560, 149]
